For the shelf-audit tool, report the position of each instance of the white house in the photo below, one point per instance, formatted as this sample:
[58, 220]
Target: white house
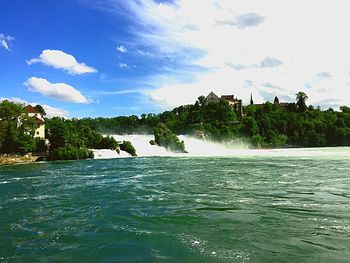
[39, 120]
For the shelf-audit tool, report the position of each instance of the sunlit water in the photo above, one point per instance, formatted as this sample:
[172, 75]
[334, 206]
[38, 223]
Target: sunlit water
[267, 206]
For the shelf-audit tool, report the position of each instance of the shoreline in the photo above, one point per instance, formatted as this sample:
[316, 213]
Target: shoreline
[16, 159]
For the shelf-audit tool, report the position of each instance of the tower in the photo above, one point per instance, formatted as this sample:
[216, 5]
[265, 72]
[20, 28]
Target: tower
[251, 99]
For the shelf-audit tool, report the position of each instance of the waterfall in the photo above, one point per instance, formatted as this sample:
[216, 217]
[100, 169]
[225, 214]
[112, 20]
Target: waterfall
[201, 148]
[194, 147]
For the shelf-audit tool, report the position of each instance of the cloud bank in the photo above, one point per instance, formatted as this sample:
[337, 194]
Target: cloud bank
[61, 60]
[241, 46]
[57, 91]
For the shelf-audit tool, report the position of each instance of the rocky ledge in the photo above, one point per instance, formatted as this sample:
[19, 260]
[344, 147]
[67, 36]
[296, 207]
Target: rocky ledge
[16, 159]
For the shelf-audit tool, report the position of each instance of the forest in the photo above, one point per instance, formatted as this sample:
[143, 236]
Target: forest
[265, 125]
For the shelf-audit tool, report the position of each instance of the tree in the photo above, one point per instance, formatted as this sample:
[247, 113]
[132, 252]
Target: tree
[201, 100]
[40, 109]
[301, 101]
[128, 147]
[16, 129]
[164, 137]
[276, 101]
[250, 126]
[10, 110]
[345, 109]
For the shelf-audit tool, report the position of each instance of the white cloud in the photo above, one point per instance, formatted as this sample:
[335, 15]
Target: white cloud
[144, 53]
[126, 91]
[61, 60]
[54, 112]
[283, 43]
[58, 91]
[50, 111]
[122, 49]
[5, 40]
[270, 63]
[243, 21]
[123, 65]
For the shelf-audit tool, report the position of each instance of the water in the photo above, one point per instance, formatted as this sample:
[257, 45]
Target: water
[201, 148]
[272, 207]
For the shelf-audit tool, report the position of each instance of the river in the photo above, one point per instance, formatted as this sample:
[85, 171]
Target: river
[258, 206]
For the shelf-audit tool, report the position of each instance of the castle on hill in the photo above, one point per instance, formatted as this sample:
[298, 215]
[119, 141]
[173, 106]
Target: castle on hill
[235, 103]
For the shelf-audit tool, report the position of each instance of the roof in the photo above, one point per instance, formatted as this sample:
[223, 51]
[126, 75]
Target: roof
[228, 97]
[39, 121]
[284, 103]
[30, 109]
[212, 94]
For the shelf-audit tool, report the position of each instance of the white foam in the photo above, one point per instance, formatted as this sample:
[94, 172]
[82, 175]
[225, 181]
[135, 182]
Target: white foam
[201, 148]
[142, 145]
[108, 154]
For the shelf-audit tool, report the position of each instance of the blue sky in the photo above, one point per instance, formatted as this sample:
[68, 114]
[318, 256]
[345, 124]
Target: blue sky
[93, 58]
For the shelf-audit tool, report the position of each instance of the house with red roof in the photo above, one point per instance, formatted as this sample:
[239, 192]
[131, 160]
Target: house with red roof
[39, 120]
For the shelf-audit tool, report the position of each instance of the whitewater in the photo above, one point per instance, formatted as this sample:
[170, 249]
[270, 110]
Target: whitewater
[203, 148]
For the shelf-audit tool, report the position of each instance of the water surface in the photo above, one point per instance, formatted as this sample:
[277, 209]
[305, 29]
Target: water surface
[176, 209]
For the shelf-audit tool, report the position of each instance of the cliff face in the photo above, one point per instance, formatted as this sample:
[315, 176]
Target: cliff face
[15, 159]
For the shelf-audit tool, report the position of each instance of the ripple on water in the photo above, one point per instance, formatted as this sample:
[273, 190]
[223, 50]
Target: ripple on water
[265, 209]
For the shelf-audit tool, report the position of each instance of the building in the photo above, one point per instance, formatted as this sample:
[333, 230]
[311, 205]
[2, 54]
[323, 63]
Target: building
[212, 98]
[275, 102]
[39, 120]
[235, 103]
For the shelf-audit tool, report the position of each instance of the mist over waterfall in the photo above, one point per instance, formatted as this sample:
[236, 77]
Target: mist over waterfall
[142, 145]
[194, 146]
[202, 148]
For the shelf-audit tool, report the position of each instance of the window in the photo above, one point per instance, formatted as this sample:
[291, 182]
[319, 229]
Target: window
[37, 133]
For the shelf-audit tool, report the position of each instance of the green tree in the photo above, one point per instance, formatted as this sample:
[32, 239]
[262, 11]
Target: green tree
[40, 109]
[164, 137]
[250, 127]
[201, 100]
[301, 101]
[128, 147]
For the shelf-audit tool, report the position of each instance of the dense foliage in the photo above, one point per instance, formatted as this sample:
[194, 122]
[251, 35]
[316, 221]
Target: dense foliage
[17, 129]
[164, 137]
[71, 139]
[296, 125]
[266, 125]
[215, 120]
[70, 153]
[128, 147]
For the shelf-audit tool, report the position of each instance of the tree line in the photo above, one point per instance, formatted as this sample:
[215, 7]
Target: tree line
[265, 125]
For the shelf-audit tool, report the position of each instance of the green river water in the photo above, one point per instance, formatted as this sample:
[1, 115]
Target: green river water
[178, 209]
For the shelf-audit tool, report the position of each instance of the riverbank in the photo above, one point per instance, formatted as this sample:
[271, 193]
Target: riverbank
[17, 159]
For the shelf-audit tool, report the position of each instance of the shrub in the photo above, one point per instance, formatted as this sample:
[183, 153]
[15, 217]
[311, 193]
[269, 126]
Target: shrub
[40, 145]
[70, 153]
[164, 137]
[107, 143]
[128, 147]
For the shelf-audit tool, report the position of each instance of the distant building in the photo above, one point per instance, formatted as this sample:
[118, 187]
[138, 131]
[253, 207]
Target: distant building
[212, 98]
[275, 102]
[235, 103]
[39, 120]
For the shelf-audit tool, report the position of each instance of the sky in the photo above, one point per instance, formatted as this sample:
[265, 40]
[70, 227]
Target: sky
[94, 58]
